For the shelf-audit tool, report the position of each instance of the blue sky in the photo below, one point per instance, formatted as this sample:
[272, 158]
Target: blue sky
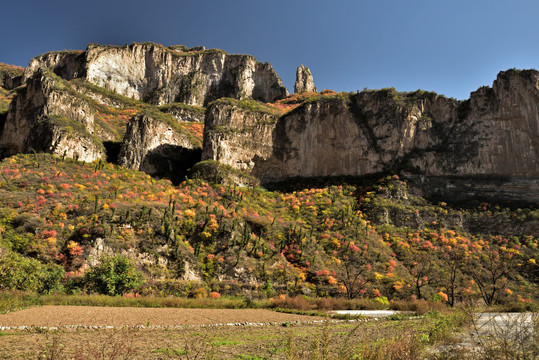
[451, 47]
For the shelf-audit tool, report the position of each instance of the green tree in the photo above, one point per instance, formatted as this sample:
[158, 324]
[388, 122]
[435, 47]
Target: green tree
[18, 272]
[115, 275]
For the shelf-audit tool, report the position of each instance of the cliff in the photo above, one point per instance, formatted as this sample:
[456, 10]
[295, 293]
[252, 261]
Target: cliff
[162, 75]
[489, 144]
[159, 143]
[47, 115]
[94, 94]
[239, 133]
[10, 76]
[140, 105]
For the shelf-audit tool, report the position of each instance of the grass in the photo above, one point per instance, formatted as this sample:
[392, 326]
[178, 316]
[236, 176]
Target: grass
[199, 110]
[434, 335]
[170, 351]
[251, 105]
[227, 342]
[217, 172]
[15, 300]
[159, 302]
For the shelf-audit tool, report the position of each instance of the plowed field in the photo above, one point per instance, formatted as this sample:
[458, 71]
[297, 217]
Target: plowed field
[57, 316]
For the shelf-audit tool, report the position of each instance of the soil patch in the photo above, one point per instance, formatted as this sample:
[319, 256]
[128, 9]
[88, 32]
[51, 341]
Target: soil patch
[130, 316]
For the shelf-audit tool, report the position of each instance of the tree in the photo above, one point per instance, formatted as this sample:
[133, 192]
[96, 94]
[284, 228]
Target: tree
[114, 276]
[353, 268]
[453, 253]
[27, 274]
[492, 263]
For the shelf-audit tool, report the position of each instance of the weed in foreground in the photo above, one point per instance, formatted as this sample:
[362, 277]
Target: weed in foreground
[494, 336]
[505, 336]
[404, 339]
[118, 345]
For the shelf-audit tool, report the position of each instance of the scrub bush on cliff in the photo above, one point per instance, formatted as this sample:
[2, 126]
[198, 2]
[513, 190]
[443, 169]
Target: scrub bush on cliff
[114, 276]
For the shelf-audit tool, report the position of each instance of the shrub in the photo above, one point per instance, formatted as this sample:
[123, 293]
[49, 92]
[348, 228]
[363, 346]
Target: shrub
[18, 272]
[200, 293]
[382, 300]
[114, 276]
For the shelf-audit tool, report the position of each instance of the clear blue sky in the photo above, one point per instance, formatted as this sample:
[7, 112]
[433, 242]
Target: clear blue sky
[451, 47]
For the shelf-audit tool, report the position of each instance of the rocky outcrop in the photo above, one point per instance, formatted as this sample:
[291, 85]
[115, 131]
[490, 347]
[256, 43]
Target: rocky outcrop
[66, 64]
[493, 135]
[184, 113]
[336, 135]
[10, 76]
[239, 134]
[159, 146]
[47, 115]
[304, 80]
[72, 102]
[163, 75]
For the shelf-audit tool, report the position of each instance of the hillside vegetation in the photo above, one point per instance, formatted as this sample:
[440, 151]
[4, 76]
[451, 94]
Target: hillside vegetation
[63, 223]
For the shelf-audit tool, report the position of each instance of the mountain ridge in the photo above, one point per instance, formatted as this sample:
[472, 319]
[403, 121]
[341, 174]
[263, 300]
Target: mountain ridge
[364, 227]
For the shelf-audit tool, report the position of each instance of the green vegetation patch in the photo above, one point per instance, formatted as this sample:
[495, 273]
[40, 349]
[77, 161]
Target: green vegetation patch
[339, 244]
[73, 129]
[5, 99]
[219, 173]
[250, 105]
[198, 110]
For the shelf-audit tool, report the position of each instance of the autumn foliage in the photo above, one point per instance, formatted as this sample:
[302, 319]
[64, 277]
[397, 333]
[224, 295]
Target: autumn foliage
[319, 241]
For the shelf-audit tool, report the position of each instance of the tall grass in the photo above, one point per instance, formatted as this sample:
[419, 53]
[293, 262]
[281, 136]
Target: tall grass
[16, 300]
[158, 302]
[324, 304]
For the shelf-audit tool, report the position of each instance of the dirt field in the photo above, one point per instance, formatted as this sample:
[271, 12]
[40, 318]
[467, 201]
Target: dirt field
[195, 334]
[167, 336]
[58, 316]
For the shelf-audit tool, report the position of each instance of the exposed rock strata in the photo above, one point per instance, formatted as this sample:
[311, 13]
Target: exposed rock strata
[156, 147]
[238, 136]
[48, 116]
[493, 134]
[162, 75]
[304, 80]
[486, 146]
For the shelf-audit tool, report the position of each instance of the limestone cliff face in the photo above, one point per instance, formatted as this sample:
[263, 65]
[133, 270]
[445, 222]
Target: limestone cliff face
[493, 134]
[154, 146]
[237, 135]
[336, 135]
[162, 75]
[46, 116]
[66, 64]
[504, 122]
